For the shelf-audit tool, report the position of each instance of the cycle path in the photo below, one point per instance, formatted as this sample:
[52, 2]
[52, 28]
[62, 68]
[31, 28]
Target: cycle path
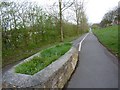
[97, 67]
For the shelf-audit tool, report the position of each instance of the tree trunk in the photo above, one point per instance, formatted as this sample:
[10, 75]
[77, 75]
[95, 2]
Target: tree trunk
[61, 30]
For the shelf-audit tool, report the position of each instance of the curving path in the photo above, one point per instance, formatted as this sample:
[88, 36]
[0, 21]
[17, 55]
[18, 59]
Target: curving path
[97, 67]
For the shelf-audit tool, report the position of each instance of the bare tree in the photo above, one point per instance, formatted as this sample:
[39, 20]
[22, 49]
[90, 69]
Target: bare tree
[57, 13]
[66, 5]
[76, 8]
[60, 12]
[80, 17]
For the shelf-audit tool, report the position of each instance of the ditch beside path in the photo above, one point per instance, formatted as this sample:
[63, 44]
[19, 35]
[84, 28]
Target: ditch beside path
[97, 67]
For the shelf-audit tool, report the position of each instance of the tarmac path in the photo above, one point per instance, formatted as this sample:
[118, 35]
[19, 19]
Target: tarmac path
[97, 67]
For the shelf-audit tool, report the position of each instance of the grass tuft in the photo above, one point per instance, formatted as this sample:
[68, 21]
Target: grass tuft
[46, 57]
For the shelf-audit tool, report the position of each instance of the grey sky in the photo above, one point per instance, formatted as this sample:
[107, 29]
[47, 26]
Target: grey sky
[95, 9]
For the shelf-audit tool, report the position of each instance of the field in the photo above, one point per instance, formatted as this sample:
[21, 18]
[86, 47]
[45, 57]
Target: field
[108, 37]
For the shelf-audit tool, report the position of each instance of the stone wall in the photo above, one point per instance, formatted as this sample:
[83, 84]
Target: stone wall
[53, 76]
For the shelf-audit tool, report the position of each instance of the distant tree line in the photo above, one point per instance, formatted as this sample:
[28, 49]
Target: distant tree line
[111, 17]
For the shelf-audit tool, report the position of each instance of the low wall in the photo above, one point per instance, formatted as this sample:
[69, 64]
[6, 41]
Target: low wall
[53, 76]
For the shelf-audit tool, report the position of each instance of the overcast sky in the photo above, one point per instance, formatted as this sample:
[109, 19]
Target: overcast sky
[95, 9]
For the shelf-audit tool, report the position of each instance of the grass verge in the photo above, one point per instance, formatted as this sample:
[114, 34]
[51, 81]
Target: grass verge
[46, 57]
[108, 37]
[20, 54]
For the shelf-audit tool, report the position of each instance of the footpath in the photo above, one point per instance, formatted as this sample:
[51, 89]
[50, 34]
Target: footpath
[97, 67]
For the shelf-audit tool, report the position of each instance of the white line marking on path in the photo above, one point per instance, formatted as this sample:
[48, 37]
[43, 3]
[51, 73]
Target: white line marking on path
[82, 41]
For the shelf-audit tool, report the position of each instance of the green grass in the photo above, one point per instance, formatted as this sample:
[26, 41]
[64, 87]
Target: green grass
[108, 37]
[45, 58]
[12, 56]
